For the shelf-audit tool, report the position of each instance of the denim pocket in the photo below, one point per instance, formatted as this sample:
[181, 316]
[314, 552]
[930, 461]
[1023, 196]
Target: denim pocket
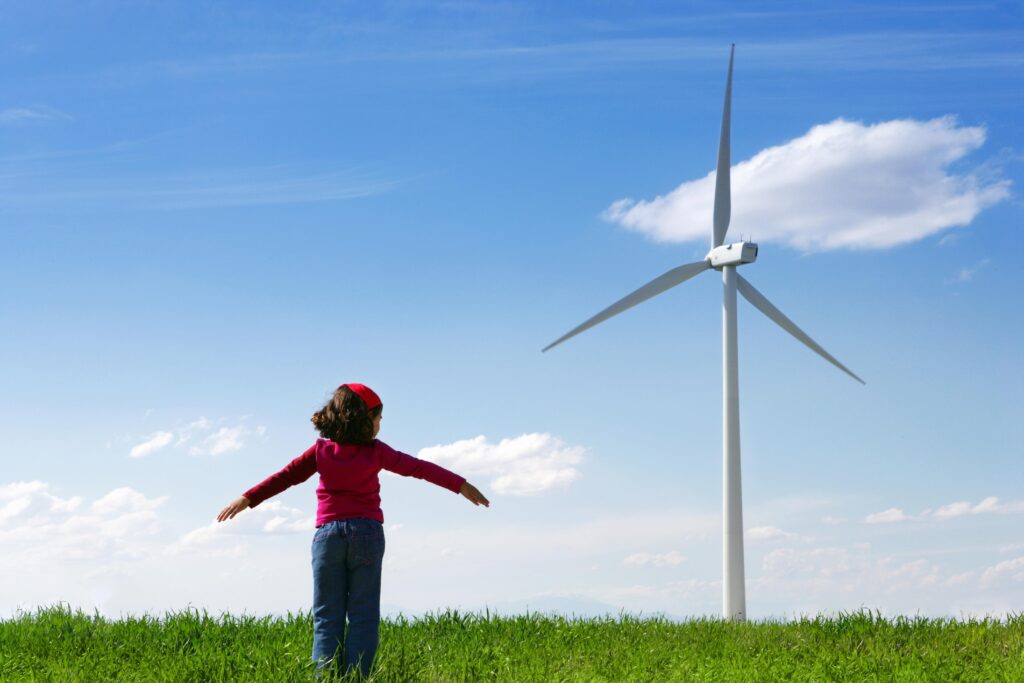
[365, 543]
[322, 532]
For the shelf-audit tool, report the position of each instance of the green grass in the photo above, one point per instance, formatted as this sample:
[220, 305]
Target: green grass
[56, 644]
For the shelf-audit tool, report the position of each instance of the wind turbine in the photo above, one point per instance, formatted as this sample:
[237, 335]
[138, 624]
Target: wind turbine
[725, 258]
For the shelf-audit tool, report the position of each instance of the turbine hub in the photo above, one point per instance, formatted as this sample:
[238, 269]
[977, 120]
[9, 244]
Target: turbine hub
[735, 254]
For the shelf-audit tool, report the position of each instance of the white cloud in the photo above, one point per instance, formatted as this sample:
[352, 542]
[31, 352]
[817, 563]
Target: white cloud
[31, 500]
[526, 465]
[117, 552]
[125, 500]
[289, 520]
[845, 570]
[199, 433]
[886, 516]
[842, 185]
[186, 433]
[21, 488]
[953, 510]
[151, 444]
[37, 526]
[669, 559]
[989, 505]
[270, 517]
[224, 440]
[1006, 570]
[829, 519]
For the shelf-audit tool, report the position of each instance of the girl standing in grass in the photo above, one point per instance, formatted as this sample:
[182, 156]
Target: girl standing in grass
[348, 546]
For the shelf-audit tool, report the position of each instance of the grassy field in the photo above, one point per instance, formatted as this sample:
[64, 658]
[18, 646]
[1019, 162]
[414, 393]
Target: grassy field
[59, 645]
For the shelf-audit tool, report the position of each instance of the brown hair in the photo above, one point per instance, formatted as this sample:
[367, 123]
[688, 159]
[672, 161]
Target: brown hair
[345, 419]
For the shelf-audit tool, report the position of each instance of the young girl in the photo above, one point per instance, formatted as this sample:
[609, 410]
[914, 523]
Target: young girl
[348, 546]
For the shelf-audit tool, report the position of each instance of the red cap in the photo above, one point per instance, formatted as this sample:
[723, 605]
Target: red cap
[370, 398]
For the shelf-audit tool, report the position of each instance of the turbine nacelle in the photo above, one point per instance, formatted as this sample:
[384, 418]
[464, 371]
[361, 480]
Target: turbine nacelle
[734, 254]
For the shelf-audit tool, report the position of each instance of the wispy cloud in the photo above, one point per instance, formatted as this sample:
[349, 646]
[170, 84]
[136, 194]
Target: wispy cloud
[526, 465]
[125, 500]
[192, 429]
[251, 186]
[53, 161]
[34, 114]
[151, 445]
[201, 436]
[224, 440]
[890, 50]
[967, 273]
[601, 48]
[672, 558]
[989, 505]
[1012, 570]
[887, 516]
[842, 185]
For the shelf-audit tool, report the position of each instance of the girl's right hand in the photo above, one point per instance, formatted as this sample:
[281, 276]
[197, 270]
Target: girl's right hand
[233, 509]
[474, 496]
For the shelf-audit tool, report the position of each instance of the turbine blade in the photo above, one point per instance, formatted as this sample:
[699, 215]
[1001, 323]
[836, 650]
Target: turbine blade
[762, 304]
[723, 204]
[656, 286]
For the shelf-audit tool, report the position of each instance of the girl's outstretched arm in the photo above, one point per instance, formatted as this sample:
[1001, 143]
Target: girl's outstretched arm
[231, 510]
[297, 471]
[409, 466]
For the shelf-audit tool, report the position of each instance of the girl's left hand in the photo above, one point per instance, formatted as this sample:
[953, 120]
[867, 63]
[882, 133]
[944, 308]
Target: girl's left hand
[473, 495]
[233, 509]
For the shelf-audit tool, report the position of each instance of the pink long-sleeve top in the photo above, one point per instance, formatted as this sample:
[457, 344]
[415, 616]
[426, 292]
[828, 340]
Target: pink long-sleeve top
[349, 486]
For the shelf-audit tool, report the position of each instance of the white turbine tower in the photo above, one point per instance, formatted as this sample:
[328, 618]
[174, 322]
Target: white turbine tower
[723, 257]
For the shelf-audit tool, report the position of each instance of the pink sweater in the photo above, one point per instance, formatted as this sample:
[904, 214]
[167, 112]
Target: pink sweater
[348, 478]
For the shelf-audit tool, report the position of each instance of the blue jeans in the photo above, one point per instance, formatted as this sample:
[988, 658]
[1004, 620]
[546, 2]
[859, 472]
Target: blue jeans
[347, 556]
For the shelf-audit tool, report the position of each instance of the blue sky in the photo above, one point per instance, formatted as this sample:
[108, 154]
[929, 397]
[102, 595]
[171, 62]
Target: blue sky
[210, 216]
